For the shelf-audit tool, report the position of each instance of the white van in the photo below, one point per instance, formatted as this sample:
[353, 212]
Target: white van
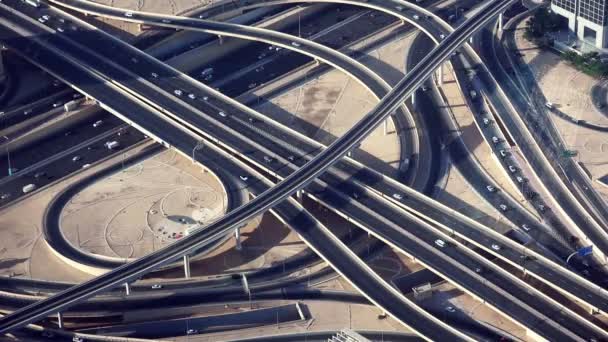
[29, 188]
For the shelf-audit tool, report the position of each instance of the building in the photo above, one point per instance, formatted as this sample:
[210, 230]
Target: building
[586, 18]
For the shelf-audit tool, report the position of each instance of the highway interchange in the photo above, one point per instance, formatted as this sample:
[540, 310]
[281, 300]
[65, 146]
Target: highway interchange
[279, 162]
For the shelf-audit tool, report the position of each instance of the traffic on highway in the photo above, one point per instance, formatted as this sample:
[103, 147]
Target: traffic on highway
[452, 209]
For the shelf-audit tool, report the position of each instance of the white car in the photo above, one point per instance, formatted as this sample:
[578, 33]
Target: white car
[503, 153]
[442, 36]
[76, 158]
[397, 196]
[495, 247]
[291, 158]
[491, 188]
[512, 168]
[416, 17]
[129, 14]
[97, 123]
[157, 286]
[495, 140]
[60, 29]
[155, 75]
[205, 98]
[268, 159]
[244, 178]
[191, 331]
[178, 92]
[520, 179]
[192, 96]
[525, 227]
[222, 114]
[296, 44]
[503, 207]
[486, 121]
[450, 309]
[549, 105]
[440, 243]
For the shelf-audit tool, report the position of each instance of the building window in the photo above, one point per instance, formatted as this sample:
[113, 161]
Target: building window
[589, 34]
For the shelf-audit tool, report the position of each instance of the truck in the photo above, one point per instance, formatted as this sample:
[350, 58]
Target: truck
[111, 145]
[29, 188]
[70, 106]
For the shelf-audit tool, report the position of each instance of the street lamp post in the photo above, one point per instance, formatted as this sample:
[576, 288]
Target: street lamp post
[8, 156]
[199, 145]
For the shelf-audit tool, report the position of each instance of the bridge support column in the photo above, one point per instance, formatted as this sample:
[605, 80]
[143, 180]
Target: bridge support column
[385, 127]
[414, 98]
[60, 320]
[127, 289]
[317, 62]
[500, 19]
[299, 195]
[187, 266]
[471, 40]
[440, 75]
[221, 39]
[237, 238]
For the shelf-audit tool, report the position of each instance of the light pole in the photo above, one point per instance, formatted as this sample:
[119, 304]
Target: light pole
[199, 145]
[8, 156]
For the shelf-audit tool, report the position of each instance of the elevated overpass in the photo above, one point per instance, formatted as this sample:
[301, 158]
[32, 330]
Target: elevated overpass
[184, 142]
[568, 283]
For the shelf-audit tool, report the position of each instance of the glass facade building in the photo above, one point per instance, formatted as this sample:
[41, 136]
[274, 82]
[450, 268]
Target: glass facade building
[586, 18]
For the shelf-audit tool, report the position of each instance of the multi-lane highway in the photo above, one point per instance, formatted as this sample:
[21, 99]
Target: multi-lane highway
[177, 142]
[305, 147]
[339, 149]
[545, 331]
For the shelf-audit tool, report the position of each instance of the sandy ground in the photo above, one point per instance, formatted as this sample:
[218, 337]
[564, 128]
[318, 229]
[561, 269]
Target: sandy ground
[143, 207]
[325, 107]
[570, 91]
[31, 257]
